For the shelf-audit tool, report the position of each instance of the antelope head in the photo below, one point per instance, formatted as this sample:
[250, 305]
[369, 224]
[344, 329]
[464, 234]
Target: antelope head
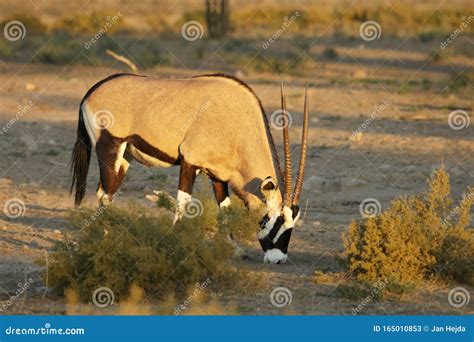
[282, 210]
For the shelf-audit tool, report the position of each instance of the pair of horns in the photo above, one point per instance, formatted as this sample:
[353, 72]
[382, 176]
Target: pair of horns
[288, 198]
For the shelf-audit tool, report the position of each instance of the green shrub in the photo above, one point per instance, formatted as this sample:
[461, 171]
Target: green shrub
[330, 53]
[417, 237]
[116, 248]
[61, 49]
[5, 49]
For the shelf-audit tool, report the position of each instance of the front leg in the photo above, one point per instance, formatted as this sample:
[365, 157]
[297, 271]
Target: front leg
[187, 177]
[221, 192]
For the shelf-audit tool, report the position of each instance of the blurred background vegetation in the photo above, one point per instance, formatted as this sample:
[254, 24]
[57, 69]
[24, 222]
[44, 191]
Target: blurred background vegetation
[149, 32]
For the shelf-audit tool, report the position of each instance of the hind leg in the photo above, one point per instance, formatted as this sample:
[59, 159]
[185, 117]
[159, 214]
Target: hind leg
[221, 192]
[113, 166]
[187, 177]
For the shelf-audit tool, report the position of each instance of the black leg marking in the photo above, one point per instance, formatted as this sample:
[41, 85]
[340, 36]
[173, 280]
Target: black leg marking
[221, 190]
[107, 150]
[187, 177]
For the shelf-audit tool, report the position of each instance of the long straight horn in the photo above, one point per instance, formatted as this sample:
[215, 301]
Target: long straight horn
[286, 148]
[304, 145]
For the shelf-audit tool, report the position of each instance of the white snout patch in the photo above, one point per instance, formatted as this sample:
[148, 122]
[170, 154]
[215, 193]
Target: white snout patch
[289, 221]
[274, 255]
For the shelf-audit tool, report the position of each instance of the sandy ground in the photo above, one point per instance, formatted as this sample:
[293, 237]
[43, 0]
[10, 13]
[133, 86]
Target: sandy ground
[394, 155]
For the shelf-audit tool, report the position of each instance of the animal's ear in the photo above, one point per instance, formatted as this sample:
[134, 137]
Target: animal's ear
[269, 189]
[268, 186]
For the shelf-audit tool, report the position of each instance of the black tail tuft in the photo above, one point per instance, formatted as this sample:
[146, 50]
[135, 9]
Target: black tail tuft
[81, 156]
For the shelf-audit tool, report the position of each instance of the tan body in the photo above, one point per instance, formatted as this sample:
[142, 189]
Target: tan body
[212, 123]
[215, 122]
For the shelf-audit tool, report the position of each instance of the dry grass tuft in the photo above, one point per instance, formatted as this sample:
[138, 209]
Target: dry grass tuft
[138, 254]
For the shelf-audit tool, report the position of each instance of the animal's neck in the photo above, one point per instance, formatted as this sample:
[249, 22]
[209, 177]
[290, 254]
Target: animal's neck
[247, 182]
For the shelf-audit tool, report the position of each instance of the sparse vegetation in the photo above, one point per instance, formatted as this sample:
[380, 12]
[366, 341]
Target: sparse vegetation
[123, 247]
[416, 238]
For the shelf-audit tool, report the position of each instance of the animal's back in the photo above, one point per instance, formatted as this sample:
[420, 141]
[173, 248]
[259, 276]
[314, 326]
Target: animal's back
[210, 110]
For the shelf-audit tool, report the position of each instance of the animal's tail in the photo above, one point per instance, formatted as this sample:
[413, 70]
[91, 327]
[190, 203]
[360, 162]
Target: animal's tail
[80, 159]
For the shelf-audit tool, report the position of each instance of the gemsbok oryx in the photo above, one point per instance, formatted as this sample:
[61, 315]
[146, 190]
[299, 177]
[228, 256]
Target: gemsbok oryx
[213, 124]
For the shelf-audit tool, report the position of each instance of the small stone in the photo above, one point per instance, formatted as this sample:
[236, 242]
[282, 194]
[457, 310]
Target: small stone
[57, 231]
